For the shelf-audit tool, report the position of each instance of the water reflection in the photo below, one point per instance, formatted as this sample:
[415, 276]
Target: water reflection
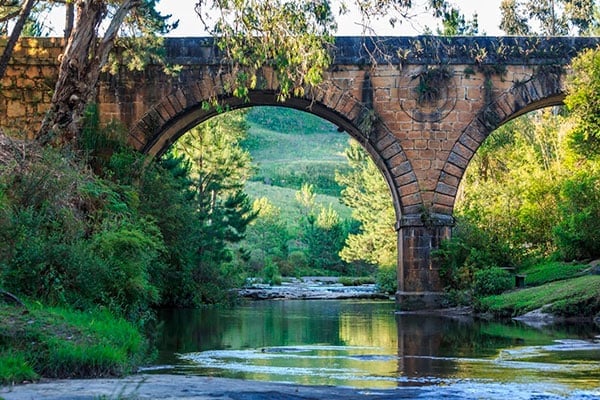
[366, 344]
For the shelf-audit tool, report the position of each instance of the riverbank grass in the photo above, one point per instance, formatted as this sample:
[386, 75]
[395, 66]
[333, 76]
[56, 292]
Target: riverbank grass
[63, 343]
[551, 271]
[575, 297]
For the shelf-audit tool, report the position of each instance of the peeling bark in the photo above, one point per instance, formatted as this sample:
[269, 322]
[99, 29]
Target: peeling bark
[80, 69]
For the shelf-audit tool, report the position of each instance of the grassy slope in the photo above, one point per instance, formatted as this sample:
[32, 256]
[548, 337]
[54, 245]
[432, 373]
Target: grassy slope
[62, 343]
[551, 271]
[289, 147]
[565, 289]
[575, 297]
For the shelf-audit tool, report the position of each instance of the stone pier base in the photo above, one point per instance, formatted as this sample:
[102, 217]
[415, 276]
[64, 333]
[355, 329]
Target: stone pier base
[419, 285]
[411, 301]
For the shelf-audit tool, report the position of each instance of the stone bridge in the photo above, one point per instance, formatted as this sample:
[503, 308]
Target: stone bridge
[421, 106]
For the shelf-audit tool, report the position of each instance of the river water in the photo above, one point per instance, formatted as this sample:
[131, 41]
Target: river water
[366, 345]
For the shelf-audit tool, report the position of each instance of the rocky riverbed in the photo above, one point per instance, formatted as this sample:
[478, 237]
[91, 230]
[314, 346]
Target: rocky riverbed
[142, 387]
[311, 288]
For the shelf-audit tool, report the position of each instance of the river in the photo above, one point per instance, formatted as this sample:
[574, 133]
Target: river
[366, 345]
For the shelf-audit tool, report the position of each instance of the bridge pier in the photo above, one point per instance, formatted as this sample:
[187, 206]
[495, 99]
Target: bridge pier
[419, 284]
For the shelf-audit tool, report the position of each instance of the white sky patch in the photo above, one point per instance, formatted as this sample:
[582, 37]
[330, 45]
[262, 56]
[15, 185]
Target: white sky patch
[488, 12]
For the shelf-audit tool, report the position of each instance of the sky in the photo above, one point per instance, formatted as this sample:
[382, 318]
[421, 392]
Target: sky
[488, 12]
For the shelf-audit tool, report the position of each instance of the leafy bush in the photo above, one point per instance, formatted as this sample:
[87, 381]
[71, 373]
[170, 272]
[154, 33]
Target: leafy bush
[491, 281]
[578, 231]
[387, 280]
[469, 251]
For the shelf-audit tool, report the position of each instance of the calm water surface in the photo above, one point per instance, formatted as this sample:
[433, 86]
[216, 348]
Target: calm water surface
[365, 344]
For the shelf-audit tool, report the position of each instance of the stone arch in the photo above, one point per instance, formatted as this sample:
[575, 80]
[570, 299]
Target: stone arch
[544, 89]
[166, 121]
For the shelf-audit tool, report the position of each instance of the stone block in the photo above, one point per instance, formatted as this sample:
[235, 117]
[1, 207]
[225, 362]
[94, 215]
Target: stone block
[458, 160]
[15, 109]
[409, 189]
[405, 179]
[401, 169]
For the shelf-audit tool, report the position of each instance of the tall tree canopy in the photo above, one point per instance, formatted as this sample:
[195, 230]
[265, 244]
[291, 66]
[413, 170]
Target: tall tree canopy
[369, 197]
[548, 17]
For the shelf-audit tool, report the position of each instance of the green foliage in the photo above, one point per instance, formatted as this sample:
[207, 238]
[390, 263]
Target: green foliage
[470, 260]
[270, 273]
[577, 296]
[583, 100]
[290, 38]
[61, 343]
[356, 281]
[222, 211]
[511, 184]
[130, 255]
[552, 18]
[578, 232]
[431, 83]
[387, 279]
[321, 231]
[367, 194]
[490, 281]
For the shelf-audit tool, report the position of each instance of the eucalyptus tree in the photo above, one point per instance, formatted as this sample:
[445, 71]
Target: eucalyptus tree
[548, 17]
[86, 54]
[293, 38]
[10, 9]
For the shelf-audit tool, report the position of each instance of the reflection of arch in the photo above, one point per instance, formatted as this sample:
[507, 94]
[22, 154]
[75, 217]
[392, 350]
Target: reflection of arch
[543, 90]
[181, 111]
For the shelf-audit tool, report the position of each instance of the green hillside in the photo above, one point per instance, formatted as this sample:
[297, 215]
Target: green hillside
[291, 147]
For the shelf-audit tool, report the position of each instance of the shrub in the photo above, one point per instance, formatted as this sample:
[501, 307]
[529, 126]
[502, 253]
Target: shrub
[387, 280]
[578, 232]
[491, 281]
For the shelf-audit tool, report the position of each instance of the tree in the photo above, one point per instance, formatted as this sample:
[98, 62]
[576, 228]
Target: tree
[292, 38]
[219, 169]
[583, 102]
[454, 22]
[267, 236]
[554, 17]
[369, 197]
[85, 56]
[5, 14]
[322, 232]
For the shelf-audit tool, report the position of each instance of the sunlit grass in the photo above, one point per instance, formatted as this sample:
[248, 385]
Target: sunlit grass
[573, 297]
[551, 271]
[285, 199]
[58, 342]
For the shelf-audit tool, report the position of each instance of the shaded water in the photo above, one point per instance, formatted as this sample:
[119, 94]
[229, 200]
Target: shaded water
[364, 344]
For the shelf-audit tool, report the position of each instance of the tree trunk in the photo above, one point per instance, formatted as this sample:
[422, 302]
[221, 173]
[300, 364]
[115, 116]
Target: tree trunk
[80, 69]
[14, 35]
[69, 19]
